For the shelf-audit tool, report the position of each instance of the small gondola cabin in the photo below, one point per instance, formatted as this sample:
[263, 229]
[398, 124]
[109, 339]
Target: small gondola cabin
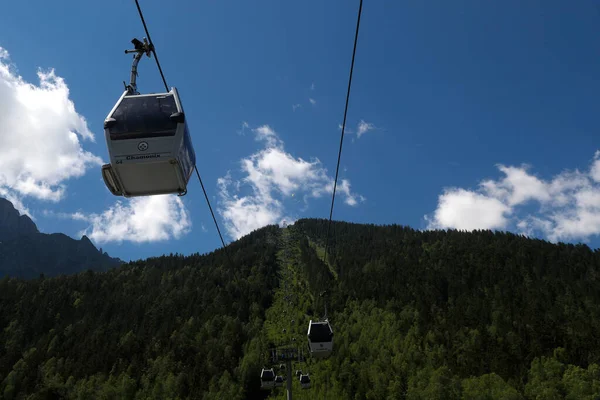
[267, 379]
[320, 339]
[305, 381]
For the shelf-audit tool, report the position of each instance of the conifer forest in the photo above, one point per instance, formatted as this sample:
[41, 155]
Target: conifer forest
[415, 315]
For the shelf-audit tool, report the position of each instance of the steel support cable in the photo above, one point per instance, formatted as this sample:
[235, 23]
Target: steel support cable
[337, 169]
[211, 211]
[151, 45]
[167, 89]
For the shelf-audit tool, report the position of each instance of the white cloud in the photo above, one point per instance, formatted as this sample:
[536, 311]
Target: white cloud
[16, 201]
[350, 199]
[595, 170]
[266, 133]
[465, 210]
[312, 101]
[565, 208]
[40, 133]
[294, 106]
[363, 127]
[244, 215]
[517, 187]
[142, 219]
[312, 86]
[273, 175]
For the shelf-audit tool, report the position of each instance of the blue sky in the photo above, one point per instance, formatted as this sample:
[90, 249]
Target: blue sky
[472, 115]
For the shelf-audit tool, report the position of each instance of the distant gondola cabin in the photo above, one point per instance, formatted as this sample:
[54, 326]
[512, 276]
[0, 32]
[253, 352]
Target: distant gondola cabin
[320, 339]
[267, 379]
[305, 381]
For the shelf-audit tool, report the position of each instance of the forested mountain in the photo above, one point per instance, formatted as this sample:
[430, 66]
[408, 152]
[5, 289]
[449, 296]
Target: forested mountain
[27, 253]
[416, 315]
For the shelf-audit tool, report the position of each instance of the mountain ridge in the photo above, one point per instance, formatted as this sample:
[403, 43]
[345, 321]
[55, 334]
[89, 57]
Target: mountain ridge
[12, 224]
[25, 252]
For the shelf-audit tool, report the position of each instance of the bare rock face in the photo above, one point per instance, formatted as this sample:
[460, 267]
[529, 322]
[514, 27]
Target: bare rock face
[12, 224]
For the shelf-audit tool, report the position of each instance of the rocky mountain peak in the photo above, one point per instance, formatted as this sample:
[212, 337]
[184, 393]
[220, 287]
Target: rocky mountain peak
[12, 223]
[26, 253]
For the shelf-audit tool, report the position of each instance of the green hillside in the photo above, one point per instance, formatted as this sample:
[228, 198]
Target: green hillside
[416, 315]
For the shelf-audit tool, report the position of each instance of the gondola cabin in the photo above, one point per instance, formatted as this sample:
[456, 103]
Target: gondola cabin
[305, 381]
[149, 146]
[320, 339]
[267, 379]
[278, 381]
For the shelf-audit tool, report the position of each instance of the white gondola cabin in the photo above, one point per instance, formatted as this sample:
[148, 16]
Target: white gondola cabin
[149, 146]
[305, 381]
[267, 379]
[320, 339]
[148, 140]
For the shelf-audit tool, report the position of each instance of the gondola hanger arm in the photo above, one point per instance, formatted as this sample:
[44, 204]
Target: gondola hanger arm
[141, 48]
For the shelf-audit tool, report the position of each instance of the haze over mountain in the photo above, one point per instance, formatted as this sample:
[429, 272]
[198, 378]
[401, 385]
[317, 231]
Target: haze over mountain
[26, 252]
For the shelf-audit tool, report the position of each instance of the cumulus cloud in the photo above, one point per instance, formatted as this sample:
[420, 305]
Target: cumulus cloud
[244, 214]
[466, 210]
[142, 219]
[566, 207]
[312, 101]
[273, 175]
[517, 187]
[40, 132]
[265, 133]
[294, 106]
